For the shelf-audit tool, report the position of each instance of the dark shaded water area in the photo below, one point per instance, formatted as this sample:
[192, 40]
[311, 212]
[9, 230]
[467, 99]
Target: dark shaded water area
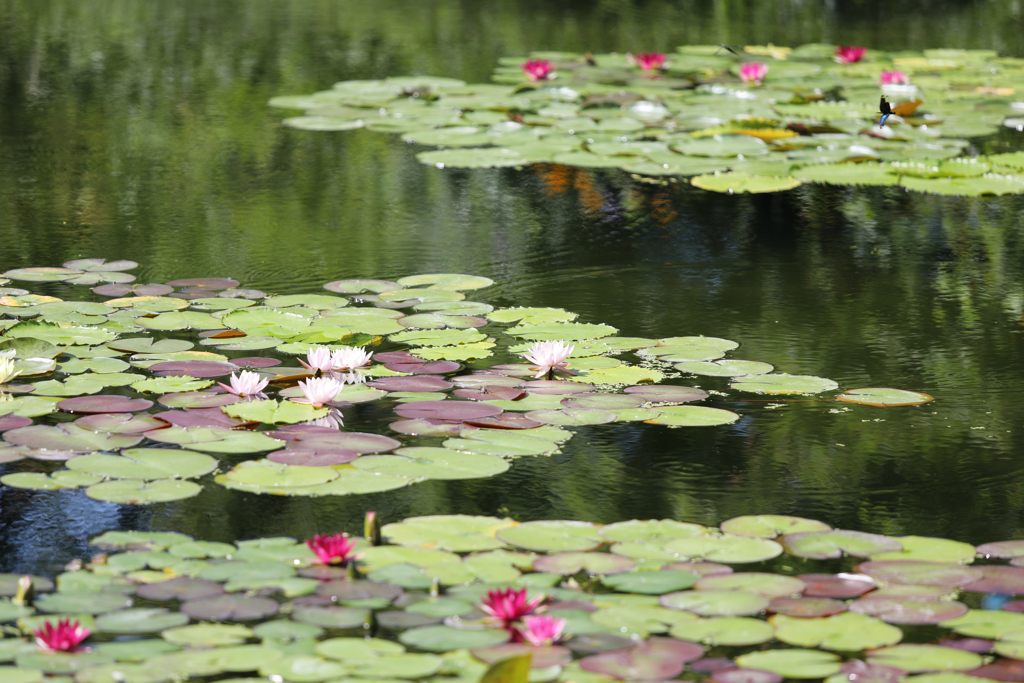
[140, 131]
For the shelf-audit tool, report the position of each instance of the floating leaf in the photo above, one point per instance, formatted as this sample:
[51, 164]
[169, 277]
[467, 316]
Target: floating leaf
[884, 397]
[843, 632]
[793, 663]
[921, 658]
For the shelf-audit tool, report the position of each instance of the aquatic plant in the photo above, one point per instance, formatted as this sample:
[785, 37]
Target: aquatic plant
[317, 391]
[542, 629]
[246, 384]
[319, 359]
[753, 72]
[548, 356]
[350, 358]
[64, 637]
[7, 370]
[332, 549]
[508, 606]
[537, 69]
[893, 77]
[649, 61]
[850, 54]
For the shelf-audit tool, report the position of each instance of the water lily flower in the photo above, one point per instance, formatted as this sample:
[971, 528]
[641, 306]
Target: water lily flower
[333, 549]
[350, 358]
[64, 638]
[542, 629]
[247, 384]
[320, 359]
[548, 356]
[848, 54]
[537, 69]
[333, 419]
[649, 61]
[7, 371]
[320, 390]
[893, 78]
[509, 605]
[753, 72]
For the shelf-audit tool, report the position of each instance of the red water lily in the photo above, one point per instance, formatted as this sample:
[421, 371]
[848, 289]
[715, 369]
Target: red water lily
[333, 549]
[537, 69]
[848, 54]
[509, 605]
[65, 637]
[650, 61]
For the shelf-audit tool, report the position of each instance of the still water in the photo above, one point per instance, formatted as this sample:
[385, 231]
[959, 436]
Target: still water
[140, 131]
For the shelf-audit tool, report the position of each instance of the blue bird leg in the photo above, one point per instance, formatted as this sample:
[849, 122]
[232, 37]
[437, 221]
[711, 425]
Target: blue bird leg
[881, 124]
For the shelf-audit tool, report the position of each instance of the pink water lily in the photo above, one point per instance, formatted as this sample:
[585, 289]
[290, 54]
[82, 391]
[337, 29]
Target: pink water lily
[893, 78]
[537, 69]
[548, 356]
[650, 61]
[350, 358]
[65, 637]
[753, 72]
[320, 390]
[848, 54]
[320, 358]
[509, 605]
[247, 384]
[333, 549]
[542, 629]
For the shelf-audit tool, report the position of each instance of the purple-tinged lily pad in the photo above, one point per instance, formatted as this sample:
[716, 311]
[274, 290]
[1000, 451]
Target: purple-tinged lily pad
[198, 399]
[593, 563]
[437, 367]
[504, 421]
[229, 608]
[236, 293]
[13, 422]
[1002, 549]
[345, 590]
[447, 410]
[432, 427]
[995, 579]
[200, 369]
[862, 672]
[1007, 670]
[208, 283]
[255, 362]
[141, 289]
[806, 607]
[182, 588]
[104, 403]
[837, 585]
[740, 675]
[197, 417]
[480, 380]
[826, 545]
[666, 393]
[627, 665]
[491, 393]
[68, 437]
[397, 357]
[556, 387]
[423, 383]
[980, 645]
[922, 573]
[708, 665]
[16, 453]
[908, 611]
[326, 438]
[118, 423]
[1014, 606]
[541, 656]
[309, 457]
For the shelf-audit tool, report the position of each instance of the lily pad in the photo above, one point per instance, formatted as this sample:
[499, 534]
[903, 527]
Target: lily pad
[693, 416]
[433, 463]
[445, 638]
[884, 398]
[795, 663]
[823, 545]
[844, 632]
[728, 631]
[552, 536]
[921, 658]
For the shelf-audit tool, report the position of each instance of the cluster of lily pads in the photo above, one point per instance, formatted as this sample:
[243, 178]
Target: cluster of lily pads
[761, 119]
[757, 600]
[120, 397]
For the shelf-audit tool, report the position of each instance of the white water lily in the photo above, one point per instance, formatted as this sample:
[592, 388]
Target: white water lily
[7, 371]
[350, 357]
[548, 356]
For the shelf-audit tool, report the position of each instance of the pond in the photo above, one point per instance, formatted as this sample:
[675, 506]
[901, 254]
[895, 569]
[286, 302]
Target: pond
[142, 133]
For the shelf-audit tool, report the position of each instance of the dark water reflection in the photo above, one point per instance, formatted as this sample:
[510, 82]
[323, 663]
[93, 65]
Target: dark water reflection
[139, 131]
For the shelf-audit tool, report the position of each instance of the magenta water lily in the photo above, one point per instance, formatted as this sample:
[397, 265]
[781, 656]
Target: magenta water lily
[507, 606]
[332, 549]
[893, 78]
[753, 72]
[538, 69]
[850, 54]
[649, 61]
[542, 629]
[64, 637]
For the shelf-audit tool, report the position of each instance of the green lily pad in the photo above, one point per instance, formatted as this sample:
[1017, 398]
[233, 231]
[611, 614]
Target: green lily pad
[145, 463]
[446, 638]
[139, 492]
[432, 463]
[792, 663]
[552, 536]
[207, 635]
[651, 530]
[82, 603]
[727, 549]
[271, 411]
[651, 582]
[768, 585]
[822, 545]
[914, 658]
[216, 439]
[729, 631]
[725, 368]
[843, 632]
[693, 416]
[716, 603]
[140, 620]
[457, 533]
[884, 398]
[928, 549]
[783, 383]
[770, 526]
[332, 617]
[736, 183]
[567, 331]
